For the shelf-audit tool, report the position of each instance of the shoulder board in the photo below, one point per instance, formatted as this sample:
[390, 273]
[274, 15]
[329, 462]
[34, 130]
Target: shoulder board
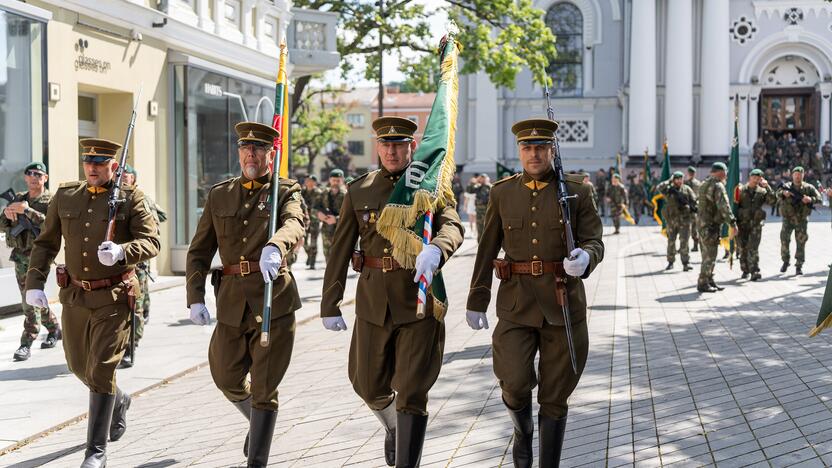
[504, 179]
[576, 178]
[362, 176]
[223, 182]
[76, 183]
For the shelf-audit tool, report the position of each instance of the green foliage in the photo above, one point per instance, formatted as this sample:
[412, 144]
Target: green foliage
[316, 128]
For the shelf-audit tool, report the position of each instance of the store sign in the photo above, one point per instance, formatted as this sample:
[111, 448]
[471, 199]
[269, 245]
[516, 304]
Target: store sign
[212, 89]
[82, 62]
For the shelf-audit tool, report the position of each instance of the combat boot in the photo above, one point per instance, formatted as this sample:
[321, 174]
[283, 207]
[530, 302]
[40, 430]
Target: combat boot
[522, 451]
[51, 339]
[784, 267]
[798, 270]
[244, 407]
[23, 353]
[756, 277]
[410, 437]
[695, 247]
[686, 267]
[98, 427]
[387, 418]
[669, 266]
[551, 440]
[744, 275]
[705, 288]
[260, 431]
[713, 284]
[118, 425]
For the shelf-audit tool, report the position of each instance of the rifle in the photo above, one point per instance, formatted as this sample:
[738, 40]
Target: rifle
[23, 221]
[797, 196]
[563, 200]
[114, 202]
[681, 199]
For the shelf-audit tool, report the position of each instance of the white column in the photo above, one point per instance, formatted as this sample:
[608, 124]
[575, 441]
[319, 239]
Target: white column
[202, 11]
[678, 109]
[219, 15]
[715, 117]
[588, 70]
[825, 103]
[642, 107]
[753, 116]
[260, 19]
[247, 17]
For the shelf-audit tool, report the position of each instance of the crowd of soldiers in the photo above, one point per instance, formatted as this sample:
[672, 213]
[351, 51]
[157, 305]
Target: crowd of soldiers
[787, 151]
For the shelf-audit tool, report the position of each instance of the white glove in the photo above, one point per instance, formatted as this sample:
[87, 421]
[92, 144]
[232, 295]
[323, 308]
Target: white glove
[37, 298]
[200, 314]
[270, 260]
[109, 253]
[334, 323]
[476, 320]
[427, 262]
[578, 266]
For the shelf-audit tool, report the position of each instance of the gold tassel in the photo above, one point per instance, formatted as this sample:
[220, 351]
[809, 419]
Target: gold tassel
[823, 325]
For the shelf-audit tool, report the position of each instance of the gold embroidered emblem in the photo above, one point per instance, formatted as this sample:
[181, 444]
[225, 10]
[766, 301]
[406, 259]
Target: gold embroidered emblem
[534, 132]
[250, 134]
[391, 131]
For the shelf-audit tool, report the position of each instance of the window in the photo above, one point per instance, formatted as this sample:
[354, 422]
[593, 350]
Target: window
[355, 120]
[355, 148]
[566, 22]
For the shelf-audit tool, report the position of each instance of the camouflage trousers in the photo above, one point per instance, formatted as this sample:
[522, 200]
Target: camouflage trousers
[310, 243]
[709, 245]
[480, 221]
[694, 231]
[801, 235]
[680, 229]
[748, 245]
[615, 214]
[142, 299]
[33, 316]
[636, 208]
[327, 233]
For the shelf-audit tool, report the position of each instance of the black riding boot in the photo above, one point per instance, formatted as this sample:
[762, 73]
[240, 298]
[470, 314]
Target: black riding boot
[522, 451]
[387, 418]
[551, 440]
[118, 425]
[244, 407]
[261, 431]
[98, 428]
[410, 437]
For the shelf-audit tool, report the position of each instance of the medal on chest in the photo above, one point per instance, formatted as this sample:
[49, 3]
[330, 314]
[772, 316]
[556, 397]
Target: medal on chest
[264, 198]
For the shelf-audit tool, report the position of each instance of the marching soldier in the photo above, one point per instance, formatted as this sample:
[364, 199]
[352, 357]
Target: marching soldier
[750, 218]
[635, 192]
[395, 358]
[796, 204]
[98, 284]
[694, 183]
[524, 220]
[481, 188]
[678, 214]
[311, 195]
[601, 185]
[714, 211]
[329, 208]
[235, 222]
[21, 222]
[618, 201]
[586, 181]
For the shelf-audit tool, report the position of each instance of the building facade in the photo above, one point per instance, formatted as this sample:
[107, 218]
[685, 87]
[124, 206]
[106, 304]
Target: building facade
[632, 73]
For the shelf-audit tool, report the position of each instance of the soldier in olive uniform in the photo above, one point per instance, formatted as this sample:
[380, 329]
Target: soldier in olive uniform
[329, 208]
[617, 196]
[637, 198]
[235, 222]
[395, 357]
[311, 196]
[714, 211]
[679, 210]
[481, 188]
[796, 203]
[750, 218]
[98, 286]
[602, 183]
[29, 206]
[694, 183]
[524, 220]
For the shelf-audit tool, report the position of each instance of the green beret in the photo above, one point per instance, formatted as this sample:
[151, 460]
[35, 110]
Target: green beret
[616, 176]
[692, 169]
[677, 175]
[37, 165]
[129, 169]
[336, 173]
[314, 177]
[756, 172]
[718, 166]
[798, 169]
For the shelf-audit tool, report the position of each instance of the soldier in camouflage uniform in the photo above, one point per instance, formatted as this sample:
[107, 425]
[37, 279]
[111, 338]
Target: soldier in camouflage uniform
[679, 210]
[796, 203]
[591, 186]
[481, 188]
[694, 183]
[329, 207]
[714, 211]
[617, 196]
[601, 185]
[32, 205]
[750, 218]
[311, 195]
[637, 197]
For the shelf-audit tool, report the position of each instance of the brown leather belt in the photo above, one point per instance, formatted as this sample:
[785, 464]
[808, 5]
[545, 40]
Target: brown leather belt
[245, 267]
[382, 263]
[103, 283]
[537, 268]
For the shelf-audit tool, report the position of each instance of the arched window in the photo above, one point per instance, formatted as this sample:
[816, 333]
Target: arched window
[567, 23]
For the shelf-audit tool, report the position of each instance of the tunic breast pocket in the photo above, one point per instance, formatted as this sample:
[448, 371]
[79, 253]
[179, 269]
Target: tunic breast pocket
[513, 232]
[70, 222]
[367, 214]
[227, 223]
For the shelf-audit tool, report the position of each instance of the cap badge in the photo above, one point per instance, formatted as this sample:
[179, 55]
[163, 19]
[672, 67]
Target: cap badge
[391, 131]
[250, 134]
[534, 132]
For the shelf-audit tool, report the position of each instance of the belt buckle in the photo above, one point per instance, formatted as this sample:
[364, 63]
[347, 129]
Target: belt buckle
[537, 268]
[85, 285]
[245, 268]
[386, 264]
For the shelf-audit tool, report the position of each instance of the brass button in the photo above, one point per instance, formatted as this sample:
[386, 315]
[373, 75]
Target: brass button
[87, 224]
[84, 254]
[245, 222]
[245, 239]
[534, 223]
[365, 207]
[86, 269]
[534, 208]
[534, 194]
[93, 197]
[86, 239]
[258, 319]
[242, 257]
[509, 228]
[250, 192]
[385, 250]
[535, 257]
[534, 241]
[89, 210]
[247, 205]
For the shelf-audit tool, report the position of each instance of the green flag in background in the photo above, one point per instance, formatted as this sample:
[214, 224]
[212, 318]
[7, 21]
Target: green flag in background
[658, 199]
[426, 184]
[825, 314]
[504, 171]
[732, 186]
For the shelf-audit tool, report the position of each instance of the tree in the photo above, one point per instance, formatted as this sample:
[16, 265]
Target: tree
[316, 128]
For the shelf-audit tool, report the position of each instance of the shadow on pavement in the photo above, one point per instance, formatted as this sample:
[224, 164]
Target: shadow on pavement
[34, 373]
[44, 459]
[608, 307]
[158, 464]
[182, 323]
[474, 352]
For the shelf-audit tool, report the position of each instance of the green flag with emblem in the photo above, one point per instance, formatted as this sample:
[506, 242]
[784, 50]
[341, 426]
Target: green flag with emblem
[825, 314]
[658, 199]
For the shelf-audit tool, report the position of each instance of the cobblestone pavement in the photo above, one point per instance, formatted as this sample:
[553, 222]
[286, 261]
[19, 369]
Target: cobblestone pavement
[674, 378]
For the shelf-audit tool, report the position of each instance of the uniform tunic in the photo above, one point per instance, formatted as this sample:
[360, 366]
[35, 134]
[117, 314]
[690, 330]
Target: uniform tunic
[235, 222]
[391, 349]
[678, 216]
[714, 211]
[95, 323]
[750, 219]
[524, 219]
